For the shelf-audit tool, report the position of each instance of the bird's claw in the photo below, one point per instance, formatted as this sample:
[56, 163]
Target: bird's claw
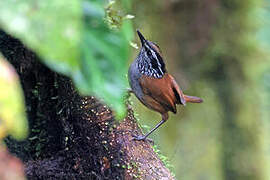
[142, 138]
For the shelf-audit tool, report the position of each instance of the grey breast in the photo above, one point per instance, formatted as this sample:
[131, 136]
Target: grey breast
[134, 76]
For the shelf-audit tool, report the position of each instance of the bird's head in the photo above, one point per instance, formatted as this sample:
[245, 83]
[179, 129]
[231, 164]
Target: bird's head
[150, 59]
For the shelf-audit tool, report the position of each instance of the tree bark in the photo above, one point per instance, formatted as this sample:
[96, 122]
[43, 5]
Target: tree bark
[74, 137]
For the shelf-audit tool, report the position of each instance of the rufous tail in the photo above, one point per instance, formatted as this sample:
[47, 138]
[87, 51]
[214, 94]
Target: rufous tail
[192, 99]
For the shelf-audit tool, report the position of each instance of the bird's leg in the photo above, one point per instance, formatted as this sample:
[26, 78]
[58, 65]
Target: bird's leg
[139, 138]
[164, 119]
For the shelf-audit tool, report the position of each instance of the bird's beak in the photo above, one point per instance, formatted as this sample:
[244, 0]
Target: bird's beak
[141, 37]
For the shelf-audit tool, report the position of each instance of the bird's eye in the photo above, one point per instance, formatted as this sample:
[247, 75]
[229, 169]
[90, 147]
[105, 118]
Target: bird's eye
[149, 53]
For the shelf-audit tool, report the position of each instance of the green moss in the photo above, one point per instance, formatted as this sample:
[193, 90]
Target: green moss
[164, 159]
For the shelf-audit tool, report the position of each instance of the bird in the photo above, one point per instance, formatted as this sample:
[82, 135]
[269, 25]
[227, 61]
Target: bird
[153, 85]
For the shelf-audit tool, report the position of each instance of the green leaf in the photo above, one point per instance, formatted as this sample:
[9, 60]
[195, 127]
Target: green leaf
[105, 53]
[12, 110]
[51, 28]
[73, 37]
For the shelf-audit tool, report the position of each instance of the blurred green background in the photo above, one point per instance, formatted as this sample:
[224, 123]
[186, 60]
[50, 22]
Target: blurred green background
[217, 50]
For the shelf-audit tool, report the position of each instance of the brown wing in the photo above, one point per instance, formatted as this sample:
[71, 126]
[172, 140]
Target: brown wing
[161, 91]
[153, 104]
[177, 92]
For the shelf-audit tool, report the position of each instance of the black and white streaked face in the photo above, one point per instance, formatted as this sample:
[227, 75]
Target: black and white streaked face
[150, 61]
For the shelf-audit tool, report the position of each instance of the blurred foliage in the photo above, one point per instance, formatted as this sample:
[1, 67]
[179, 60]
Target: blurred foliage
[12, 111]
[51, 28]
[72, 38]
[114, 18]
[11, 168]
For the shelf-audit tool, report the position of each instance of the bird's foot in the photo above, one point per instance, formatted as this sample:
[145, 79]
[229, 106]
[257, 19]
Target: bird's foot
[142, 138]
